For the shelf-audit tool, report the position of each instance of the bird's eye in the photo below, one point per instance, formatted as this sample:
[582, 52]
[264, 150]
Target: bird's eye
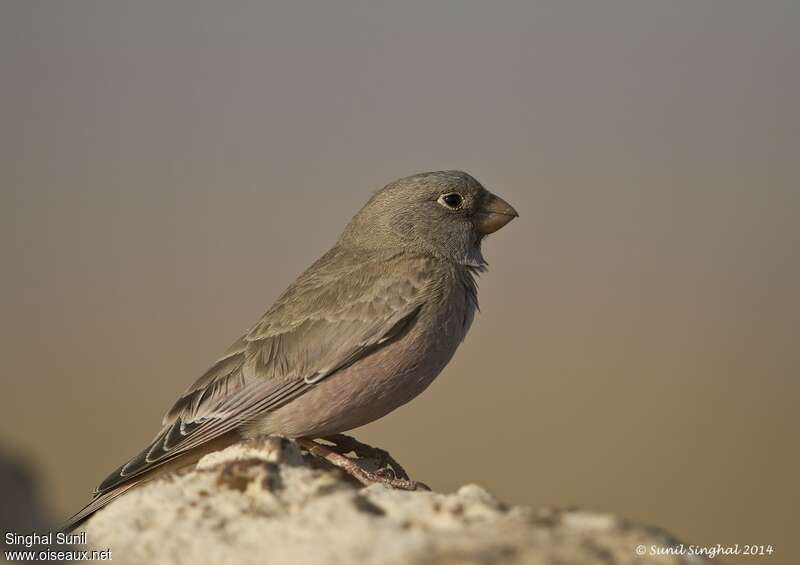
[452, 200]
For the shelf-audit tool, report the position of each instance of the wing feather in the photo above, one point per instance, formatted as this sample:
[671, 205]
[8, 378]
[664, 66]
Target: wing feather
[340, 310]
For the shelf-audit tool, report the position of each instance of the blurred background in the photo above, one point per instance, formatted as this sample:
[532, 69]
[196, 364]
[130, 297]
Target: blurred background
[168, 168]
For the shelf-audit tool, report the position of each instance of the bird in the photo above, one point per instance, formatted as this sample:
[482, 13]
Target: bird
[365, 329]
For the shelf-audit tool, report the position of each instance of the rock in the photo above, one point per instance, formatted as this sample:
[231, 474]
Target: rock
[22, 508]
[266, 502]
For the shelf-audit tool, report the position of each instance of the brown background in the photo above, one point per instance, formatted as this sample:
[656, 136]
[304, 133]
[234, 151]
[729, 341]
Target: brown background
[167, 168]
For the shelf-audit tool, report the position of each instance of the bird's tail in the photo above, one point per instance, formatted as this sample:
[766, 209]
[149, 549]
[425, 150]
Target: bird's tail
[96, 504]
[177, 462]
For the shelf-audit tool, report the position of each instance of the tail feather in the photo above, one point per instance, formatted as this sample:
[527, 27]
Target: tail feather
[96, 504]
[121, 484]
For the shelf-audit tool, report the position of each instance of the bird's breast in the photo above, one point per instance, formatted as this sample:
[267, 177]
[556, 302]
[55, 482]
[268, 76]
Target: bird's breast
[376, 384]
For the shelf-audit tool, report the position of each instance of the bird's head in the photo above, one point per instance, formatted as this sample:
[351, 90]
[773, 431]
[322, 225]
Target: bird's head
[444, 213]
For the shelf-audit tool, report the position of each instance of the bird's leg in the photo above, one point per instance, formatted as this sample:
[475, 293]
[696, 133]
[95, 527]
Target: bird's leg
[346, 444]
[353, 469]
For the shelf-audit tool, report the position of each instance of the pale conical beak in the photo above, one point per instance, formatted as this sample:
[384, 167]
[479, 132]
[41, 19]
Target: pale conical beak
[494, 214]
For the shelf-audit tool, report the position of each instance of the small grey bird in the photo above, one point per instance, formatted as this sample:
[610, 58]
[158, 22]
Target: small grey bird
[364, 330]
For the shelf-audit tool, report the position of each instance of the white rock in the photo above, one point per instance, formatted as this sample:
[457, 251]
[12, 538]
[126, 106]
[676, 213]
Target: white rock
[265, 502]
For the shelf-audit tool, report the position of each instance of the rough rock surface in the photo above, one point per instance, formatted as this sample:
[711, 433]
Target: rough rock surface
[267, 502]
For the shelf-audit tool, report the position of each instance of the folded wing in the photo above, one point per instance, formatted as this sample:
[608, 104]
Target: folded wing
[339, 311]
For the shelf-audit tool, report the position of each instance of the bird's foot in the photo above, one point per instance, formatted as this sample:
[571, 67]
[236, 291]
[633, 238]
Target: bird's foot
[390, 473]
[387, 464]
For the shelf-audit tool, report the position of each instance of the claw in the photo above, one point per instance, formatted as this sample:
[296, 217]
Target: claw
[391, 473]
